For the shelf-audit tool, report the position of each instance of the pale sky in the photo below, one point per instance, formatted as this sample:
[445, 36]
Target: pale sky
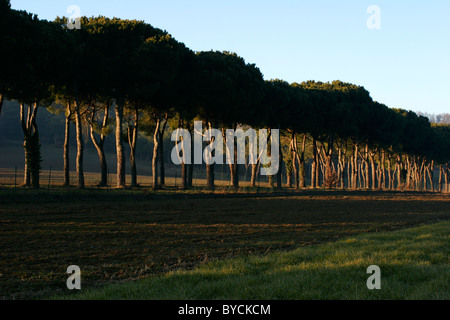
[404, 64]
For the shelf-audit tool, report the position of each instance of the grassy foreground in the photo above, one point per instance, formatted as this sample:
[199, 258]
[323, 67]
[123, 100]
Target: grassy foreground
[415, 264]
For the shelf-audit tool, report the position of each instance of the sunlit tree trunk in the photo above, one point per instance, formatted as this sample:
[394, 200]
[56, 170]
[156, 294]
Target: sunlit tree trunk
[119, 105]
[99, 146]
[280, 166]
[293, 149]
[355, 167]
[156, 142]
[162, 170]
[67, 146]
[301, 164]
[399, 172]
[80, 146]
[31, 144]
[132, 141]
[314, 166]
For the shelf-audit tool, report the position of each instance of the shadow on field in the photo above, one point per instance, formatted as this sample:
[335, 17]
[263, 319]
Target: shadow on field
[124, 236]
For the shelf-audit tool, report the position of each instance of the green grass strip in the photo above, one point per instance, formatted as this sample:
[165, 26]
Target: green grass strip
[415, 264]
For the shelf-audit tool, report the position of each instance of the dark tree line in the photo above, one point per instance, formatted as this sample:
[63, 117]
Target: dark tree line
[127, 77]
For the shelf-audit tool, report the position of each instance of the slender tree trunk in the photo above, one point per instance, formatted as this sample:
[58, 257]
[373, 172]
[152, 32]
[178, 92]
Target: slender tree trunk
[236, 167]
[314, 165]
[156, 137]
[132, 141]
[1, 103]
[183, 175]
[328, 156]
[340, 170]
[366, 167]
[390, 185]
[210, 178]
[408, 173]
[432, 175]
[280, 166]
[349, 172]
[67, 147]
[162, 171]
[355, 167]
[293, 149]
[372, 166]
[23, 122]
[254, 175]
[289, 178]
[301, 164]
[446, 186]
[190, 169]
[382, 182]
[31, 145]
[80, 147]
[120, 154]
[184, 166]
[99, 146]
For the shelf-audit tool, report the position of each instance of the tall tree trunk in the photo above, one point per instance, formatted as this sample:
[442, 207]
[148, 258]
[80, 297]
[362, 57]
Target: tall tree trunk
[119, 105]
[190, 168]
[373, 170]
[293, 149]
[156, 137]
[31, 145]
[132, 141]
[390, 185]
[67, 146]
[210, 176]
[366, 167]
[234, 168]
[301, 164]
[408, 173]
[289, 178]
[340, 170]
[328, 155]
[80, 146]
[355, 167]
[254, 175]
[446, 186]
[99, 146]
[314, 166]
[280, 166]
[398, 169]
[161, 131]
[162, 171]
[26, 139]
[349, 172]
[183, 175]
[382, 179]
[1, 103]
[432, 175]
